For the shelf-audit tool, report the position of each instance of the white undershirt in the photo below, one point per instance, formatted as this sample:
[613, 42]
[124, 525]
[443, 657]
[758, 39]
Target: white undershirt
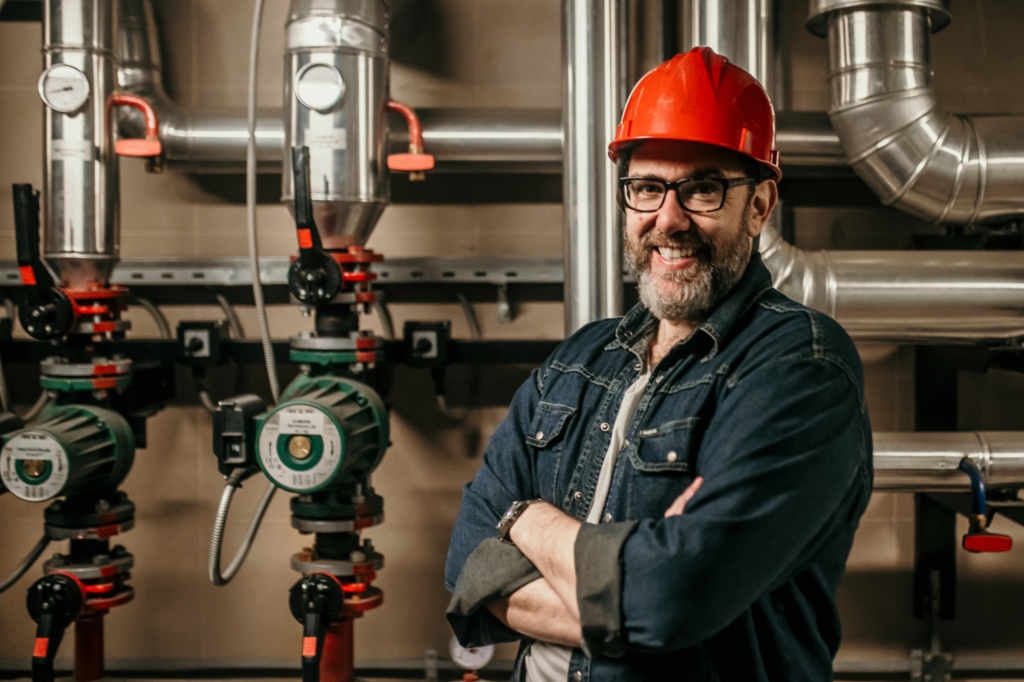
[550, 662]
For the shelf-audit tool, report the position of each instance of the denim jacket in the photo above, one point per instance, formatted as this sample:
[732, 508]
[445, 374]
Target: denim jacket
[765, 400]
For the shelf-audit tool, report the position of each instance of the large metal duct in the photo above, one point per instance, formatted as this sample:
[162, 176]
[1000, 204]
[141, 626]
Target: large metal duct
[594, 90]
[961, 170]
[80, 226]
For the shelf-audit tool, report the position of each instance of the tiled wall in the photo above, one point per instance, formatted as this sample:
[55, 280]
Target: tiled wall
[472, 53]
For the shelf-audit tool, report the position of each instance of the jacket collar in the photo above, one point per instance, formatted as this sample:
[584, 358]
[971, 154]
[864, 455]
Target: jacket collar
[639, 323]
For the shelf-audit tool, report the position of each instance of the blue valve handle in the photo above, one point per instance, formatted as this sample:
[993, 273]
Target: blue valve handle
[978, 504]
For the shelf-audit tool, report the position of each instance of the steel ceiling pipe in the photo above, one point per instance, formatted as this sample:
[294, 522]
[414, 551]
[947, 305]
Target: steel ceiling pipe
[594, 94]
[961, 170]
[927, 462]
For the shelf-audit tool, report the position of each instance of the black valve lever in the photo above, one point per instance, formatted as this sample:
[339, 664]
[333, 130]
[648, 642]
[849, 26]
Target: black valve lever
[314, 277]
[316, 601]
[53, 602]
[48, 313]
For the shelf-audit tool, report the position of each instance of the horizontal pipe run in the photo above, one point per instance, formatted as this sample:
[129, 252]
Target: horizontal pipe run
[927, 462]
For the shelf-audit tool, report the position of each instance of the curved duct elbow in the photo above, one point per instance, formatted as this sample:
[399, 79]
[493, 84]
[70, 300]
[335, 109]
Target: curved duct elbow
[961, 170]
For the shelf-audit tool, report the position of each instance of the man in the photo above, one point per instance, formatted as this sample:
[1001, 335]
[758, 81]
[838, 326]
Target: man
[683, 484]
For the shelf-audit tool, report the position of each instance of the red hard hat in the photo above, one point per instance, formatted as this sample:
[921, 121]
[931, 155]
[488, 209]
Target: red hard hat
[701, 96]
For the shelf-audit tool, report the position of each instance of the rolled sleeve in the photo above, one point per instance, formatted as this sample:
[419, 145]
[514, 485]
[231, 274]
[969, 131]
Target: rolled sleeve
[598, 555]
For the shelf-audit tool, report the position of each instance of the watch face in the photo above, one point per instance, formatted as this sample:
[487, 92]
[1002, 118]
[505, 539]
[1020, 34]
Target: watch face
[470, 658]
[64, 88]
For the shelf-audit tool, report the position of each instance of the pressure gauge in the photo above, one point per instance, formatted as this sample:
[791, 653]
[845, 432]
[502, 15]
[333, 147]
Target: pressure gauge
[319, 86]
[64, 88]
[470, 658]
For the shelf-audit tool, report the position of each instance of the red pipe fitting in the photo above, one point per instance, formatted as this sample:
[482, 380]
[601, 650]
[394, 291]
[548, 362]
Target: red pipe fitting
[150, 146]
[415, 162]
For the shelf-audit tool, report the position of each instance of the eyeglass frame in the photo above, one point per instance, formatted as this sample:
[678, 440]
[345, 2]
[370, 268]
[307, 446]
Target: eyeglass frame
[674, 187]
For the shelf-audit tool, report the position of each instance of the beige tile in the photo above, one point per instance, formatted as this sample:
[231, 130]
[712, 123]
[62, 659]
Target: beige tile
[21, 43]
[519, 44]
[222, 32]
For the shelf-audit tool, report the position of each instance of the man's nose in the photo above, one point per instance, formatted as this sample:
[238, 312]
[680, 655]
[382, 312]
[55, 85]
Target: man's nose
[672, 217]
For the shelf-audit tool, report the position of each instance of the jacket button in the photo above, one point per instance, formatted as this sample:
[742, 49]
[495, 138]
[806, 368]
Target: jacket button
[577, 496]
[540, 435]
[638, 366]
[607, 518]
[672, 456]
[605, 426]
[578, 676]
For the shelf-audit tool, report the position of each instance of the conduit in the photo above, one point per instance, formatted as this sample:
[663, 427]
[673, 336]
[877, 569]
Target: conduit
[960, 170]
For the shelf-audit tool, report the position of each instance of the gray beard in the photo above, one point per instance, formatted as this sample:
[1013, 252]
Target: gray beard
[706, 283]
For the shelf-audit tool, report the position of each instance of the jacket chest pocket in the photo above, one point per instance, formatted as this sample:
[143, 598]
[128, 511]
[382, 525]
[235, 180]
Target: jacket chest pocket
[662, 461]
[547, 436]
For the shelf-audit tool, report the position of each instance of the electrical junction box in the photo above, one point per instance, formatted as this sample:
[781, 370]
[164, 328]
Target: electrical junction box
[426, 343]
[199, 343]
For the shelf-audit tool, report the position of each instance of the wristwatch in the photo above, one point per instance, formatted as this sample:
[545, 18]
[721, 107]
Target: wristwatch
[510, 517]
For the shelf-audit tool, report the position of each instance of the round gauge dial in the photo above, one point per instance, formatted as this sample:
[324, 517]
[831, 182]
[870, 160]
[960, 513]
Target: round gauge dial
[64, 88]
[470, 658]
[319, 86]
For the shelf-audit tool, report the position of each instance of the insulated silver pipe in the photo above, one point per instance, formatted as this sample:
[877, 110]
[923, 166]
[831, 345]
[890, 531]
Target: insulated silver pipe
[961, 170]
[80, 224]
[922, 462]
[594, 93]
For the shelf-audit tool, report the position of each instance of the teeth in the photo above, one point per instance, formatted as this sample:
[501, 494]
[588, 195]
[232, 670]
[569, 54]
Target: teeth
[674, 254]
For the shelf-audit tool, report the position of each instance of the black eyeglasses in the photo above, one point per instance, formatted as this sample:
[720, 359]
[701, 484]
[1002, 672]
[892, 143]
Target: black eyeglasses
[647, 195]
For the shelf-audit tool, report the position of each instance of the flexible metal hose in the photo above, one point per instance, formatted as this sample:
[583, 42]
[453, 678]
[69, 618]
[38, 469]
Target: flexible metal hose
[250, 207]
[234, 481]
[158, 317]
[25, 564]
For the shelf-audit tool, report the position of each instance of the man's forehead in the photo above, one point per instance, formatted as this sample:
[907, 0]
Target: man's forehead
[688, 158]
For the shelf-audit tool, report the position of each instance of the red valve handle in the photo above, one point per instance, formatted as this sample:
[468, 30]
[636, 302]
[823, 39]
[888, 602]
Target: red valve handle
[980, 540]
[415, 161]
[150, 146]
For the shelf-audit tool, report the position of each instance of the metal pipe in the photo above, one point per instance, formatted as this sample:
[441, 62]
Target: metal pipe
[923, 462]
[80, 233]
[593, 97]
[961, 170]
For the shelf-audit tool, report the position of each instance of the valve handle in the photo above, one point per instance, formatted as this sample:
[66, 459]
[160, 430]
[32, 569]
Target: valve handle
[314, 276]
[48, 313]
[150, 145]
[316, 601]
[53, 603]
[34, 274]
[977, 538]
[416, 161]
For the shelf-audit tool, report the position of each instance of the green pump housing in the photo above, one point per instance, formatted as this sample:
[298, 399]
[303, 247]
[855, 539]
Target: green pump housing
[326, 432]
[69, 450]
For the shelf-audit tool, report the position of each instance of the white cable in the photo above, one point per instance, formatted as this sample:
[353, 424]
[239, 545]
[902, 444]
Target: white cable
[158, 317]
[25, 564]
[250, 206]
[219, 579]
[234, 324]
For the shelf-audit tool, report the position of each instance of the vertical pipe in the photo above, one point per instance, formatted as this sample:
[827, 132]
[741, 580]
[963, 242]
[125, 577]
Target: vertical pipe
[337, 663]
[89, 647]
[593, 95]
[80, 233]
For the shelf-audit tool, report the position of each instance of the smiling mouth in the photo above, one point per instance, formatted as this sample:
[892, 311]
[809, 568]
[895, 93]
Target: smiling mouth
[675, 254]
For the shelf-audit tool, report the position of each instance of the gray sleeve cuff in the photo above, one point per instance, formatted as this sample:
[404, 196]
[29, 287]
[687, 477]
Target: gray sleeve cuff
[495, 569]
[598, 553]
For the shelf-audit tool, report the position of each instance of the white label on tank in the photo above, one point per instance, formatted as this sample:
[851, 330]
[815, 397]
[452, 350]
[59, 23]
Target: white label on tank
[33, 446]
[72, 150]
[326, 138]
[298, 421]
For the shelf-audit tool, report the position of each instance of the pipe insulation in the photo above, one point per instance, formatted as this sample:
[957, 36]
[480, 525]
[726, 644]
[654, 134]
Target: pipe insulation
[960, 170]
[927, 462]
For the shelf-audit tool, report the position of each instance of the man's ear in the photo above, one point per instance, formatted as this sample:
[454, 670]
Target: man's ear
[762, 203]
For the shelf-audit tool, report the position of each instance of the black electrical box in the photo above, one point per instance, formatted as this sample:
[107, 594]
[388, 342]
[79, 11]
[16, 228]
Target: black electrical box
[199, 343]
[234, 432]
[426, 343]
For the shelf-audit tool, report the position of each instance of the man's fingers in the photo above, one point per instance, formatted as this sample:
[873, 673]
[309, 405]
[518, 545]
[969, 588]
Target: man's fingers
[676, 508]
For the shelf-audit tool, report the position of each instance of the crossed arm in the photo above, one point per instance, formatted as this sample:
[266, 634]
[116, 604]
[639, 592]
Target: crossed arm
[547, 609]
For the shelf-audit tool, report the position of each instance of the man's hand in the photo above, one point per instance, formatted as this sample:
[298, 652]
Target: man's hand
[547, 536]
[676, 508]
[536, 611]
